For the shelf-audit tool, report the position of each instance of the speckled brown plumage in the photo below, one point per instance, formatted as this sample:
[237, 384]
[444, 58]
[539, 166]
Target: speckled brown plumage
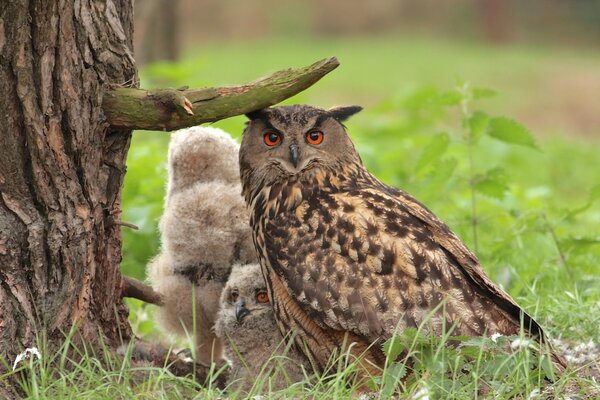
[345, 255]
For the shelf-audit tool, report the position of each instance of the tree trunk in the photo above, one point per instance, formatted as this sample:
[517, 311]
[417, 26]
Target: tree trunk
[61, 170]
[496, 19]
[160, 28]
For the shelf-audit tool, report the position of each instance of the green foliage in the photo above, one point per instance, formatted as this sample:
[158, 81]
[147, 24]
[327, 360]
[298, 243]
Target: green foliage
[76, 371]
[504, 366]
[433, 151]
[143, 195]
[510, 131]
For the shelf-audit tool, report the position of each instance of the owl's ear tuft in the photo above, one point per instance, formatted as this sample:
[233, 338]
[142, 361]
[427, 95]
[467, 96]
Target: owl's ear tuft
[343, 113]
[257, 114]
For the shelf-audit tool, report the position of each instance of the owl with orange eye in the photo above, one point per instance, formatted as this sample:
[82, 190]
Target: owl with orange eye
[261, 358]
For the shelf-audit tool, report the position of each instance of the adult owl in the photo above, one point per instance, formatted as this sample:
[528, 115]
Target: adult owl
[252, 341]
[349, 259]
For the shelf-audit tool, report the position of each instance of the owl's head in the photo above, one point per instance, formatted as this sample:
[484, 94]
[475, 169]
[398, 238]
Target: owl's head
[244, 301]
[292, 141]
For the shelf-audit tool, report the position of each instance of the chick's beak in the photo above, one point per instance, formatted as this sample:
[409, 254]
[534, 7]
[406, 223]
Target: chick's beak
[294, 154]
[240, 310]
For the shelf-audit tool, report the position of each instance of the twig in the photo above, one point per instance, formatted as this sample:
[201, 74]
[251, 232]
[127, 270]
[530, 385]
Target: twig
[139, 290]
[127, 225]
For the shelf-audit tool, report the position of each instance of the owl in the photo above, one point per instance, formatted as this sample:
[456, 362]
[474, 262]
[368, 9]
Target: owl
[349, 259]
[252, 342]
[204, 231]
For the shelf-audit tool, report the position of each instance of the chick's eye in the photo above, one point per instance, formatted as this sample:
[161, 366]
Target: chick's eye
[314, 137]
[233, 296]
[262, 296]
[272, 138]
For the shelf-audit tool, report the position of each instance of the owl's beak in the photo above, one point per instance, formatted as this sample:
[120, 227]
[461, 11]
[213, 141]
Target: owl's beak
[240, 310]
[294, 154]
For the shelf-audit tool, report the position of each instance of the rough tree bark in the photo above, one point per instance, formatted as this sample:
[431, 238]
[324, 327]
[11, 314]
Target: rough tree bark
[61, 170]
[62, 163]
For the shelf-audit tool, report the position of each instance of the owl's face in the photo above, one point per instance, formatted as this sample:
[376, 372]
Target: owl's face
[291, 141]
[245, 297]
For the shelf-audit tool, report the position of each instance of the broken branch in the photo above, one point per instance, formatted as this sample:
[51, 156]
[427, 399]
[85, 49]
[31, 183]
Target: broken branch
[171, 109]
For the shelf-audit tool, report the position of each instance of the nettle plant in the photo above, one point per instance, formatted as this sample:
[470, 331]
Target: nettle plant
[469, 170]
[463, 367]
[487, 177]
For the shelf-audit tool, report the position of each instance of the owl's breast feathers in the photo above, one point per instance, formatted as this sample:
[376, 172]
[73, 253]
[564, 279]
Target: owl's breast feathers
[359, 257]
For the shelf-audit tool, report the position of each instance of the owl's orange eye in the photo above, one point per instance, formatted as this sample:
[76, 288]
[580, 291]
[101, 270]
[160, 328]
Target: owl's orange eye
[272, 138]
[233, 296]
[314, 137]
[262, 296]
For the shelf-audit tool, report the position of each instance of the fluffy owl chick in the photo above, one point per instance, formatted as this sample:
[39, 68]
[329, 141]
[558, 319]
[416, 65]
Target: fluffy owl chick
[251, 339]
[201, 154]
[204, 231]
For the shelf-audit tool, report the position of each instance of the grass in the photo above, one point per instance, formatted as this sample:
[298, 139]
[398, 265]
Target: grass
[528, 203]
[476, 368]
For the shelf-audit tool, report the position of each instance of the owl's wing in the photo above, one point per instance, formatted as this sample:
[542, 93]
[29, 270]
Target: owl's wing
[464, 260]
[375, 260]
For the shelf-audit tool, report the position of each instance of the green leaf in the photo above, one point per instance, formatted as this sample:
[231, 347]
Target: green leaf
[393, 347]
[483, 93]
[592, 198]
[510, 131]
[438, 177]
[580, 243]
[393, 374]
[415, 98]
[434, 150]
[477, 123]
[492, 183]
[450, 98]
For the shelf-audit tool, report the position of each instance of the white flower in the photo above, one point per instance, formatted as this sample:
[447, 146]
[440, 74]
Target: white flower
[142, 314]
[25, 355]
[421, 394]
[534, 394]
[520, 344]
[495, 337]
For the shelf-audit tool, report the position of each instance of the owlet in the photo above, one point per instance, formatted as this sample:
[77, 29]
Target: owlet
[258, 352]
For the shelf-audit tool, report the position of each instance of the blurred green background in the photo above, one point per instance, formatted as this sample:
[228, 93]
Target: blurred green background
[529, 204]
